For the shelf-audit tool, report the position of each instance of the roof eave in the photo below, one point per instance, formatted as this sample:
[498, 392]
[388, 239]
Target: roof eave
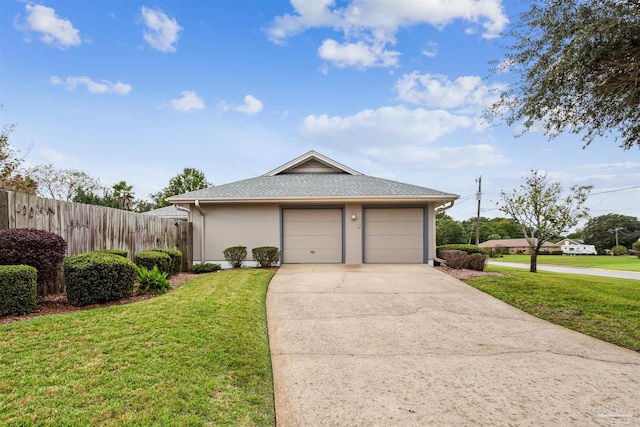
[324, 199]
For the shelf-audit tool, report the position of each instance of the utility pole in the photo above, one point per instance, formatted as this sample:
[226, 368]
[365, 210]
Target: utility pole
[616, 230]
[478, 195]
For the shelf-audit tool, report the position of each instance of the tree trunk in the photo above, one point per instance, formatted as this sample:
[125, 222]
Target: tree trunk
[534, 261]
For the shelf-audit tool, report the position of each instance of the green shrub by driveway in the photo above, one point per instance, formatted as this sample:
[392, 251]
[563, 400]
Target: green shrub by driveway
[197, 356]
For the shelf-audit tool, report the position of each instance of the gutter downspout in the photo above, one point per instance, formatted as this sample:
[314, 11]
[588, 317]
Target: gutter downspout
[437, 210]
[203, 258]
[444, 207]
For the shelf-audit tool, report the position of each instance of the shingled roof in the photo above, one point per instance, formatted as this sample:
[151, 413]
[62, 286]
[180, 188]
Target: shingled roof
[290, 182]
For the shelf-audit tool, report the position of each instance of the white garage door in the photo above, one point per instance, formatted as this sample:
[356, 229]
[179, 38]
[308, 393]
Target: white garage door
[312, 236]
[394, 235]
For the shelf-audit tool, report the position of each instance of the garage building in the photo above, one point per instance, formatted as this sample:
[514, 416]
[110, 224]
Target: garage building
[316, 211]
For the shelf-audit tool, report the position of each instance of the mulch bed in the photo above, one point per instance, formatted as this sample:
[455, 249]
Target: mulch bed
[464, 274]
[58, 304]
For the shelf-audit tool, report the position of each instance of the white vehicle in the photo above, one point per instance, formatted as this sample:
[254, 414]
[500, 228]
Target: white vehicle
[568, 249]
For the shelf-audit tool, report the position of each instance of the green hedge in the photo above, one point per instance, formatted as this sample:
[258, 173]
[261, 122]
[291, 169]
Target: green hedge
[118, 252]
[176, 259]
[469, 249]
[38, 248]
[149, 259]
[97, 277]
[18, 289]
[205, 268]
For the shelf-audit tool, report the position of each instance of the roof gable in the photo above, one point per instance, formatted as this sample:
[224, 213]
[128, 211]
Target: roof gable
[312, 163]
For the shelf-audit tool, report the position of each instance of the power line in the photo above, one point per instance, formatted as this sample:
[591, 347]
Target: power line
[616, 190]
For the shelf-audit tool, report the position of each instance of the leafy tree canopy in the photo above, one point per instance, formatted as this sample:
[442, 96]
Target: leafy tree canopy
[61, 184]
[577, 67]
[449, 231]
[190, 179]
[542, 211]
[10, 176]
[600, 231]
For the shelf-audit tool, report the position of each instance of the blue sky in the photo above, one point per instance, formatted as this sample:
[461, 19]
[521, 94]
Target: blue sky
[136, 91]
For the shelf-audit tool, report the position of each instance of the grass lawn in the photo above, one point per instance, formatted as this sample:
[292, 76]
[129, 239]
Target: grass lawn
[625, 263]
[604, 308]
[196, 356]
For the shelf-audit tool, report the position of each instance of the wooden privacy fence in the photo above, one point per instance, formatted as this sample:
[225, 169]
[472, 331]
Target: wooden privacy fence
[87, 227]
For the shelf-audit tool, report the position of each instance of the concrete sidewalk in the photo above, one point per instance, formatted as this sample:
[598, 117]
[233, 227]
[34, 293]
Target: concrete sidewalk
[404, 345]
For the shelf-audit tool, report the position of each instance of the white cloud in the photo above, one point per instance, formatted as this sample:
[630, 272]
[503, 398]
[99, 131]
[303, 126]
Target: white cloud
[469, 156]
[251, 106]
[436, 90]
[162, 32]
[430, 50]
[104, 86]
[370, 25]
[188, 102]
[388, 16]
[53, 30]
[383, 127]
[358, 54]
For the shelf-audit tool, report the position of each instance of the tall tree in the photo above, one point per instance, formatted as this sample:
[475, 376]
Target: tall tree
[577, 69]
[543, 211]
[61, 184]
[92, 198]
[449, 231]
[10, 176]
[189, 180]
[122, 191]
[601, 231]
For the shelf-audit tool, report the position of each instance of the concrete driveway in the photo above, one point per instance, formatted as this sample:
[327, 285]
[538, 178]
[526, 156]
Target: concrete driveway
[402, 345]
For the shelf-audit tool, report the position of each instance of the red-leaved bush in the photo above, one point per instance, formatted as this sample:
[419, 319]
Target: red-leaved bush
[37, 248]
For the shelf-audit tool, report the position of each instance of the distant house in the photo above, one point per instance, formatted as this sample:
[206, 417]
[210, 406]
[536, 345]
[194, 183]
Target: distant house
[170, 212]
[517, 246]
[567, 241]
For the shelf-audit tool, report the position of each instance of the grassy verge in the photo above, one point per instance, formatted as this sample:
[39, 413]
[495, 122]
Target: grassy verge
[624, 263]
[605, 308]
[196, 356]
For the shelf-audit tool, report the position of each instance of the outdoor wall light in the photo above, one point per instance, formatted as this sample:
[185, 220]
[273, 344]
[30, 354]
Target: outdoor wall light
[354, 217]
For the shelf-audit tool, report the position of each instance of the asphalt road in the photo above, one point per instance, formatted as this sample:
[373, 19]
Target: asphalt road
[575, 270]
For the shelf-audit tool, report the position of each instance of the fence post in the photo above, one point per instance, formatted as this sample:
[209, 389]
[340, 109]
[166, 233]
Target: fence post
[4, 210]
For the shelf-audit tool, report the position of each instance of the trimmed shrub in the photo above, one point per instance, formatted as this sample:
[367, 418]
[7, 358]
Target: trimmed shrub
[205, 268]
[636, 248]
[117, 252]
[469, 249]
[460, 260]
[38, 248]
[176, 259]
[266, 256]
[618, 250]
[94, 277]
[149, 259]
[476, 262]
[455, 259]
[18, 289]
[152, 280]
[235, 255]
